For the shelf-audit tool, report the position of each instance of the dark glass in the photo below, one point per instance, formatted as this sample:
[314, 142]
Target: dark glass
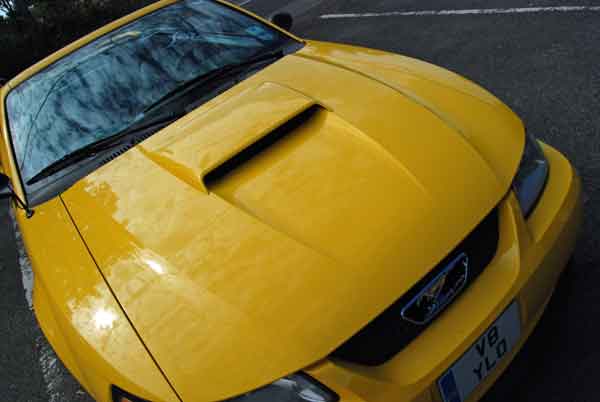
[104, 87]
[530, 181]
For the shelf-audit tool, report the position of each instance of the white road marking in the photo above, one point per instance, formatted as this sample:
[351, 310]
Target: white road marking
[243, 3]
[51, 370]
[474, 11]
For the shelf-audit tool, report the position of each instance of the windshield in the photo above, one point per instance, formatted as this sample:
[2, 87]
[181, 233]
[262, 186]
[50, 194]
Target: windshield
[105, 86]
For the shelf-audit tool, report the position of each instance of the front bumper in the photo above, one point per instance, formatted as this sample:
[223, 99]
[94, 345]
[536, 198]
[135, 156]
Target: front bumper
[530, 258]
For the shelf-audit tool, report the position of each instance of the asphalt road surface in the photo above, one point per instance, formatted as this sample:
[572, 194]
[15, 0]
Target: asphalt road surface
[541, 58]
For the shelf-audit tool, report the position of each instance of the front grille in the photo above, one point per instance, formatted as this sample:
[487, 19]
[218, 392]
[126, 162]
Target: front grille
[388, 333]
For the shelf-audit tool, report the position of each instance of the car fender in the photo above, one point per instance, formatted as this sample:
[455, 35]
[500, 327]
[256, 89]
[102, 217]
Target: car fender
[490, 126]
[80, 316]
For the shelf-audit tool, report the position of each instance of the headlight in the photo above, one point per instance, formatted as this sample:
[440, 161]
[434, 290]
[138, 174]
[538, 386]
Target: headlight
[531, 176]
[119, 395]
[294, 388]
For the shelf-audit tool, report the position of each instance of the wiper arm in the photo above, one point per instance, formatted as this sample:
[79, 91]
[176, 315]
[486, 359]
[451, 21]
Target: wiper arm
[216, 74]
[91, 150]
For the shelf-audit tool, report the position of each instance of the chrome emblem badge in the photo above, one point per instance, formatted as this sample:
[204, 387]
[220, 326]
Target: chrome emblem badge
[436, 295]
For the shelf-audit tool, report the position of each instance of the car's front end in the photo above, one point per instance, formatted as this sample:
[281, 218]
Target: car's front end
[340, 224]
[531, 255]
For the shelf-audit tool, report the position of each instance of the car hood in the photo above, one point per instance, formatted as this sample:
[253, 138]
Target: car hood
[255, 235]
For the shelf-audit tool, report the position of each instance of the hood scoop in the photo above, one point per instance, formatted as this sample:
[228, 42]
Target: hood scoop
[205, 147]
[262, 145]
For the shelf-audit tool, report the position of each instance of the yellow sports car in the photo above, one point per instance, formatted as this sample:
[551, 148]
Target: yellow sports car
[216, 210]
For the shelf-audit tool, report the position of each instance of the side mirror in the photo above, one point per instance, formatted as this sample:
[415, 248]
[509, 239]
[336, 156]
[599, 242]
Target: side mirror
[5, 189]
[283, 20]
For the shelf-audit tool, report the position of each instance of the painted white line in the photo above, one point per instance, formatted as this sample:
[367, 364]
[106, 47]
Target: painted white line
[243, 3]
[480, 11]
[51, 370]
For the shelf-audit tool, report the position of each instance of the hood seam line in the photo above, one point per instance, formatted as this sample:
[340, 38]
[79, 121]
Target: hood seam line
[118, 302]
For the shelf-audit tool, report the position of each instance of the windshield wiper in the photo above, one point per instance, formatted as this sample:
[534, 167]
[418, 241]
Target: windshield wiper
[216, 75]
[93, 149]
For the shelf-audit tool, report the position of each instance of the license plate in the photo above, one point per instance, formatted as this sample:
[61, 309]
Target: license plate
[482, 357]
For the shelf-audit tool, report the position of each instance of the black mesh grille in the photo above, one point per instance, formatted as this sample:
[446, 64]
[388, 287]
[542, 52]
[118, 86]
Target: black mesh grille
[388, 333]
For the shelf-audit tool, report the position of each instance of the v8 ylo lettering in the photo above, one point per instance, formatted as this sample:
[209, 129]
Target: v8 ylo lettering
[490, 348]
